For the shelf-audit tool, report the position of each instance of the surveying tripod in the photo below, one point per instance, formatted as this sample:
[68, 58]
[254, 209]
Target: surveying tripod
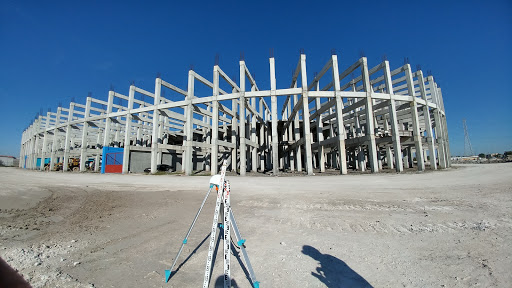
[223, 199]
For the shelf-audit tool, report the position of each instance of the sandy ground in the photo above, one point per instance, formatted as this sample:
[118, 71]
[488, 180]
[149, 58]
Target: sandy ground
[449, 228]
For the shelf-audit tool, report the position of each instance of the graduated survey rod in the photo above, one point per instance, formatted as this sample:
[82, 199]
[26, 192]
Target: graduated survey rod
[168, 272]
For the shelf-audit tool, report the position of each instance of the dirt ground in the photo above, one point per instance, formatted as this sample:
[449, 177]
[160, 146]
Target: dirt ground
[449, 228]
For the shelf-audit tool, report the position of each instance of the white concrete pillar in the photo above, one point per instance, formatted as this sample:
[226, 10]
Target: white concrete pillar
[215, 123]
[262, 136]
[296, 129]
[54, 141]
[305, 116]
[273, 110]
[234, 128]
[428, 123]
[85, 128]
[138, 141]
[36, 145]
[389, 154]
[415, 121]
[243, 146]
[395, 133]
[128, 131]
[290, 130]
[254, 150]
[441, 156]
[208, 140]
[189, 126]
[320, 135]
[65, 161]
[370, 132]
[107, 136]
[339, 116]
[45, 141]
[160, 139]
[269, 141]
[156, 118]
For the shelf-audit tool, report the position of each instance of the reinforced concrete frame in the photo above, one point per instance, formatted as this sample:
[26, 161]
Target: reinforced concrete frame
[364, 118]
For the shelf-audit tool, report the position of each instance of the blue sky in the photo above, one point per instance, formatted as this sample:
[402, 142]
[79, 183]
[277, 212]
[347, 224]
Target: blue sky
[52, 51]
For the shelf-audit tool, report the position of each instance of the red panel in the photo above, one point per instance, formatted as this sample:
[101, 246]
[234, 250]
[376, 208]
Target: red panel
[113, 168]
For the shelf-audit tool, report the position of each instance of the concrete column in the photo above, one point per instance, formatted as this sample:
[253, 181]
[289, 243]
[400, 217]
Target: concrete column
[320, 135]
[290, 132]
[410, 157]
[273, 108]
[83, 150]
[243, 146]
[128, 130]
[99, 140]
[54, 141]
[138, 141]
[395, 133]
[441, 155]
[305, 115]
[361, 159]
[160, 139]
[108, 121]
[428, 123]
[389, 154]
[262, 136]
[189, 126]
[36, 145]
[339, 116]
[117, 135]
[446, 141]
[269, 141]
[440, 140]
[208, 140]
[415, 121]
[45, 141]
[254, 150]
[156, 118]
[65, 161]
[234, 127]
[445, 129]
[370, 133]
[296, 129]
[215, 123]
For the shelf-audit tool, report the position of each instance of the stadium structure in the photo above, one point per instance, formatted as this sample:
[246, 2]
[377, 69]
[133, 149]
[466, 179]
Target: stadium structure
[360, 119]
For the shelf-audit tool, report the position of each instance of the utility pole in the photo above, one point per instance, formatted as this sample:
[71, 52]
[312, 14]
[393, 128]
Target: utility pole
[467, 142]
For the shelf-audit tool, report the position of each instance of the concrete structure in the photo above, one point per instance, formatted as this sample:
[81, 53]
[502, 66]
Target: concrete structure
[361, 119]
[7, 161]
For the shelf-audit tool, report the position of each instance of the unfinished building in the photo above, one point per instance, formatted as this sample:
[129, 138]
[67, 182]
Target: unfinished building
[360, 119]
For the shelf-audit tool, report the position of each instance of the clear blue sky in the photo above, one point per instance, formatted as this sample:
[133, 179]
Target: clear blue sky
[51, 51]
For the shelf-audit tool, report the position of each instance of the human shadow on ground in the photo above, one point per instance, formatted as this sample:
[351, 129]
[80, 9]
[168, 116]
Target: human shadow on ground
[333, 272]
[219, 283]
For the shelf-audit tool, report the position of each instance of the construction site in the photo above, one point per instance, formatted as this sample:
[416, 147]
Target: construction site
[359, 119]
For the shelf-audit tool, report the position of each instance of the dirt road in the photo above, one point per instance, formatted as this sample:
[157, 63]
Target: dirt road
[448, 228]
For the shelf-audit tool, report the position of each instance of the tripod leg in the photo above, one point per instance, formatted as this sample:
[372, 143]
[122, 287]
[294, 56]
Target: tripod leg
[240, 242]
[169, 272]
